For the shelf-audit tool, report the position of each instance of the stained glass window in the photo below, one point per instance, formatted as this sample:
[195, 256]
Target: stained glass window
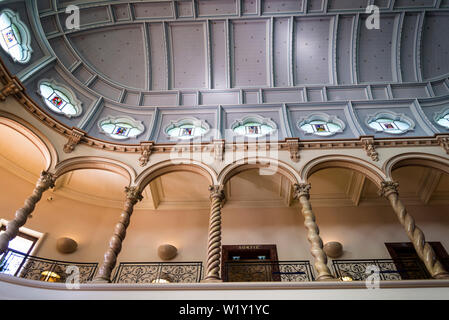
[59, 99]
[121, 128]
[444, 120]
[321, 127]
[389, 125]
[186, 129]
[252, 128]
[15, 38]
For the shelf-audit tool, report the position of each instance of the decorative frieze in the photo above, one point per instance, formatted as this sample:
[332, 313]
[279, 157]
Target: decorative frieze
[368, 146]
[11, 88]
[219, 150]
[444, 142]
[74, 140]
[146, 149]
[293, 148]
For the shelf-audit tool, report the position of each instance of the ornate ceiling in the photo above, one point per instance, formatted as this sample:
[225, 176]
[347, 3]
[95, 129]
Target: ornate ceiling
[158, 62]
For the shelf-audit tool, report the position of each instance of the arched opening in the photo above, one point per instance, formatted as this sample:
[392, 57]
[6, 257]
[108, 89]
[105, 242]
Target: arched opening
[263, 232]
[349, 210]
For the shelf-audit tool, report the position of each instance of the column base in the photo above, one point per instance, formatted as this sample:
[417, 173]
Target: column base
[442, 276]
[211, 281]
[101, 280]
[326, 278]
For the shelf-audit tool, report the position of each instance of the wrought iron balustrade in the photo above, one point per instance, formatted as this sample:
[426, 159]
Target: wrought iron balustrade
[267, 271]
[21, 265]
[158, 272]
[388, 269]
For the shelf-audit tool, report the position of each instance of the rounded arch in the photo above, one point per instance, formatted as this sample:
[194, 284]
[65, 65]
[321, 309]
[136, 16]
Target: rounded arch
[29, 132]
[416, 159]
[372, 172]
[169, 166]
[258, 163]
[81, 163]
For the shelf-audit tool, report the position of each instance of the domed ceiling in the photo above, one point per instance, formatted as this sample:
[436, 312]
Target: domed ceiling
[165, 70]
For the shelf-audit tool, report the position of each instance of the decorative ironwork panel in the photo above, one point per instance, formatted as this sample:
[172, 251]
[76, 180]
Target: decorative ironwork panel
[18, 264]
[388, 269]
[268, 271]
[155, 272]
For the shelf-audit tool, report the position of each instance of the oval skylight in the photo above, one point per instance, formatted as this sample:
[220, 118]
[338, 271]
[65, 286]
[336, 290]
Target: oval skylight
[253, 127]
[186, 129]
[444, 120]
[15, 37]
[389, 125]
[121, 128]
[321, 125]
[60, 99]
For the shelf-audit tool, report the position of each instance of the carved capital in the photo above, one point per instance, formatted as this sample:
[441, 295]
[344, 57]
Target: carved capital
[293, 148]
[368, 146]
[444, 142]
[146, 149]
[219, 150]
[300, 190]
[46, 180]
[133, 194]
[74, 140]
[217, 192]
[388, 187]
[11, 88]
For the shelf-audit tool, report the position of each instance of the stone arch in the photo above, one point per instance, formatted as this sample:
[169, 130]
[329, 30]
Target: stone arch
[168, 166]
[375, 174]
[258, 163]
[416, 159]
[38, 139]
[81, 163]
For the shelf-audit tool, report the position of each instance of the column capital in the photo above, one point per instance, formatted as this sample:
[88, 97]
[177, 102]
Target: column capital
[133, 194]
[46, 180]
[388, 187]
[217, 191]
[302, 189]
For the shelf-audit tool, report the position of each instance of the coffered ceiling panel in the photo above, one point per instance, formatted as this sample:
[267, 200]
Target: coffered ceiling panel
[188, 55]
[109, 51]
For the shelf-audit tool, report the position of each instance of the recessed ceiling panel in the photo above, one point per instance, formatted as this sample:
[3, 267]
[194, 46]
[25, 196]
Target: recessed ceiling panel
[281, 56]
[375, 52]
[312, 50]
[152, 10]
[276, 6]
[216, 7]
[435, 45]
[250, 53]
[158, 58]
[347, 4]
[344, 49]
[219, 56]
[408, 47]
[117, 53]
[188, 55]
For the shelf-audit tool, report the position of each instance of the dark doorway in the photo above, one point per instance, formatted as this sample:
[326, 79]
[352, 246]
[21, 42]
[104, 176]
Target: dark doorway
[250, 263]
[408, 262]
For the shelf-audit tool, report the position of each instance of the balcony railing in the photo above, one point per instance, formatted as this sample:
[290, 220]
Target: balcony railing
[387, 269]
[21, 265]
[267, 271]
[154, 272]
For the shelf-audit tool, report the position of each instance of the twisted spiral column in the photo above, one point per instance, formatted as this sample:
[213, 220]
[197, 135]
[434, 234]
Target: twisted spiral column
[389, 190]
[214, 241]
[133, 195]
[45, 182]
[302, 193]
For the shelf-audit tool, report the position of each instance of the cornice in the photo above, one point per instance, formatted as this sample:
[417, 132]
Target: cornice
[13, 87]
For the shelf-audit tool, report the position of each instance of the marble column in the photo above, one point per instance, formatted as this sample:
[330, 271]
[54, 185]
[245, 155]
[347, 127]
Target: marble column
[45, 182]
[133, 195]
[212, 273]
[302, 193]
[389, 190]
